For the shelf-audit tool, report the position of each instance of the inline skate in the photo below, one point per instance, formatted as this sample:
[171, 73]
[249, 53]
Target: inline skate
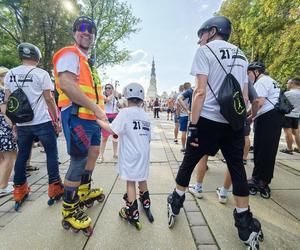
[249, 229]
[130, 213]
[55, 192]
[75, 218]
[259, 186]
[174, 203]
[145, 200]
[88, 195]
[20, 193]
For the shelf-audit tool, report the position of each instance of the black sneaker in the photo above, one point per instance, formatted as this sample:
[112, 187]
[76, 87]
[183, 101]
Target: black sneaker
[287, 151]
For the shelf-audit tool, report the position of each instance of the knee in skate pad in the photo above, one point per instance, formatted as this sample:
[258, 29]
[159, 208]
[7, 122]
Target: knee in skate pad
[76, 168]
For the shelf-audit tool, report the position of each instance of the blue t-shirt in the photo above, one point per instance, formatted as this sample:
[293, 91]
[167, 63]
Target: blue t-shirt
[188, 94]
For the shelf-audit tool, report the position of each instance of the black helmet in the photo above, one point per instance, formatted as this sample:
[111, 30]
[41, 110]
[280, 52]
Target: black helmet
[85, 19]
[256, 65]
[221, 23]
[29, 51]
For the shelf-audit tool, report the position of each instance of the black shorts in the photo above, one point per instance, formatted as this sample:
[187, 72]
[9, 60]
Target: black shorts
[169, 111]
[247, 129]
[290, 122]
[212, 137]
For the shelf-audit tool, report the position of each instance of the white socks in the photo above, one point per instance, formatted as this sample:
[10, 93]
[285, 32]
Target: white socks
[179, 192]
[240, 210]
[223, 191]
[198, 186]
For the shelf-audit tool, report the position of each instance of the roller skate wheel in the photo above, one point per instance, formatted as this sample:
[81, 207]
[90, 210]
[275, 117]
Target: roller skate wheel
[74, 230]
[58, 198]
[17, 206]
[252, 191]
[101, 198]
[265, 195]
[138, 226]
[87, 231]
[65, 225]
[89, 204]
[50, 202]
[261, 236]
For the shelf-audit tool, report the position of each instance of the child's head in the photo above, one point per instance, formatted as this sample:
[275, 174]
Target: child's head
[134, 93]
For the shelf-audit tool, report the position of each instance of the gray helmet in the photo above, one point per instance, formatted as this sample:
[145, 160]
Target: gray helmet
[29, 51]
[134, 90]
[221, 23]
[256, 65]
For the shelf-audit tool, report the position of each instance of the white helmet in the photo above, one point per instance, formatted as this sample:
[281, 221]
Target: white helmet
[134, 90]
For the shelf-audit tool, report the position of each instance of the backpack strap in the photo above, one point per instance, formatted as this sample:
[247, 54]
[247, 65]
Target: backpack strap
[26, 77]
[237, 49]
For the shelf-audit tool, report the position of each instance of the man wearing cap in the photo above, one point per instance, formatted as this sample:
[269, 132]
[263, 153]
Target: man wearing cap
[81, 103]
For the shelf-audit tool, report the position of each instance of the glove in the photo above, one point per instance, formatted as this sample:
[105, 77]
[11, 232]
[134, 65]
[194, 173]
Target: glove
[193, 135]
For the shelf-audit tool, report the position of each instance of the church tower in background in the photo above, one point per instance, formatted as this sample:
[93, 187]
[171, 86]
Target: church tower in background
[152, 90]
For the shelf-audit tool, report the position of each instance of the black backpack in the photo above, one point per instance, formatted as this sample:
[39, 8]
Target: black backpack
[283, 105]
[18, 106]
[230, 98]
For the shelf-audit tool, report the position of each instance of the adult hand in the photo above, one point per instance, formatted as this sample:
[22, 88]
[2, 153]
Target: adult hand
[99, 113]
[193, 135]
[57, 126]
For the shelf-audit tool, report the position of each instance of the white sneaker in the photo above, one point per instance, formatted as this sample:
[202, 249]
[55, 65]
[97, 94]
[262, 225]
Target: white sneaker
[8, 190]
[197, 193]
[222, 198]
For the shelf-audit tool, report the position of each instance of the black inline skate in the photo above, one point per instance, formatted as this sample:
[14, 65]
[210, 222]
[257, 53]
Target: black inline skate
[145, 200]
[175, 202]
[130, 213]
[249, 229]
[259, 186]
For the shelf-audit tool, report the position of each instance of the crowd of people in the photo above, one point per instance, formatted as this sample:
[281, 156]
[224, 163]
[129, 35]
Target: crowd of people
[88, 116]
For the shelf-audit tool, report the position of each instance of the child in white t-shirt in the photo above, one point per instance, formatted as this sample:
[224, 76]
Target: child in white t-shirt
[132, 125]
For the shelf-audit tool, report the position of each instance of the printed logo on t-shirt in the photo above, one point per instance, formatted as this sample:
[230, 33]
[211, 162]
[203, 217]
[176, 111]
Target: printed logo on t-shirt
[141, 125]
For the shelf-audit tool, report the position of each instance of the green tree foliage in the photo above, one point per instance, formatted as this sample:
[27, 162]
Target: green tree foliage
[115, 22]
[268, 31]
[48, 24]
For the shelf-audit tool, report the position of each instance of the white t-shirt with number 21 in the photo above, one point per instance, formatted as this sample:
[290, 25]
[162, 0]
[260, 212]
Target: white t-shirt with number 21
[133, 127]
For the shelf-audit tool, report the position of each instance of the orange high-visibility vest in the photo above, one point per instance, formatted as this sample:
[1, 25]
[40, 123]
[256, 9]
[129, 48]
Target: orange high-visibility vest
[88, 80]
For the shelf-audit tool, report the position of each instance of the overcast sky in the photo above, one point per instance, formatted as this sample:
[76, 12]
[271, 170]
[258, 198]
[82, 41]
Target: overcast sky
[168, 33]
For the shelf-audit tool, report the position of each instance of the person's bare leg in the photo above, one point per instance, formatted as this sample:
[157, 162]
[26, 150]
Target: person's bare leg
[241, 202]
[201, 169]
[143, 186]
[183, 139]
[103, 146]
[246, 147]
[115, 147]
[296, 134]
[6, 166]
[131, 192]
[288, 138]
[176, 131]
[93, 155]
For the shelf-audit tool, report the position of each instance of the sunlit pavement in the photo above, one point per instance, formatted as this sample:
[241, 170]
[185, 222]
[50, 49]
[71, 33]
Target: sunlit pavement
[203, 224]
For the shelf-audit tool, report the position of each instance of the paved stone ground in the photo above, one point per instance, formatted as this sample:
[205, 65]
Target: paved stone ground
[203, 224]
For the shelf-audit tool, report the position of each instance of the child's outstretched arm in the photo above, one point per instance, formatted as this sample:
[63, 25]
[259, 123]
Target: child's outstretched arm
[105, 125]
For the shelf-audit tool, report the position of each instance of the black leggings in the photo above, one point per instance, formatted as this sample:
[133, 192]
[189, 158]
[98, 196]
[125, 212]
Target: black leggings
[267, 131]
[212, 137]
[156, 112]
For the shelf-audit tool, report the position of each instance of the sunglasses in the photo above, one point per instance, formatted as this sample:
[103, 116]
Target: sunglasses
[82, 27]
[108, 88]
